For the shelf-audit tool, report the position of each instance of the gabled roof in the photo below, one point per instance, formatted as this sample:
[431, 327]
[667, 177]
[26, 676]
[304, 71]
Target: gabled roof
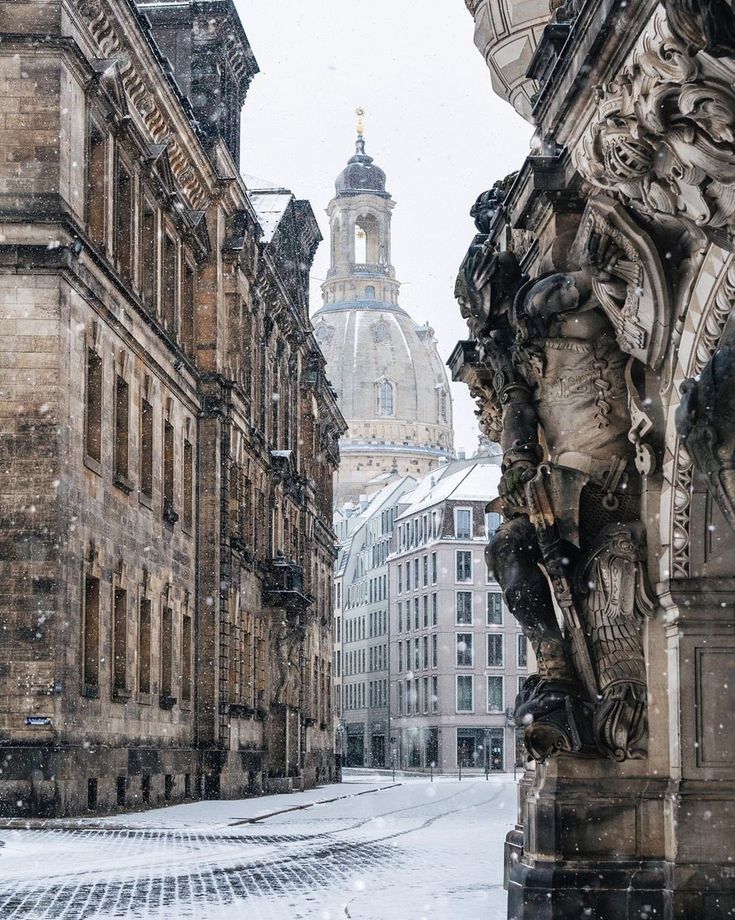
[475, 483]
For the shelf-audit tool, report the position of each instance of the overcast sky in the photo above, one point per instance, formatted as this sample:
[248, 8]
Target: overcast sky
[432, 123]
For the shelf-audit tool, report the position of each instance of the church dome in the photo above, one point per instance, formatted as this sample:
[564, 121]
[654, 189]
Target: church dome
[391, 383]
[361, 175]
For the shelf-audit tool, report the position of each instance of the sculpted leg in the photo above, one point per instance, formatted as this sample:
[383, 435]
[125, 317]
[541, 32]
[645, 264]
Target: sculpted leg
[550, 708]
[513, 557]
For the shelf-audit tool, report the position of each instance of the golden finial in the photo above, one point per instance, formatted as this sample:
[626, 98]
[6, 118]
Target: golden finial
[360, 112]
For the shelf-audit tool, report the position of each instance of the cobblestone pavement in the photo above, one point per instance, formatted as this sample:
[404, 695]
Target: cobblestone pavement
[376, 851]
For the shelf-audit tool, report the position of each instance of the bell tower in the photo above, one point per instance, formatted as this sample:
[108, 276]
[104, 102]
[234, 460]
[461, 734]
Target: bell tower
[359, 223]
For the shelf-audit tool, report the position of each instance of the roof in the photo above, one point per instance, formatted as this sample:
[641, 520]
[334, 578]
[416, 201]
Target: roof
[270, 202]
[475, 483]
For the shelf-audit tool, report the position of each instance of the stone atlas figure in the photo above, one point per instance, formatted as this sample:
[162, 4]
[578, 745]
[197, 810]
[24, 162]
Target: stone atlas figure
[569, 555]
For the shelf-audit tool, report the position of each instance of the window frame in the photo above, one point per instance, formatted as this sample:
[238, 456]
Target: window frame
[470, 679]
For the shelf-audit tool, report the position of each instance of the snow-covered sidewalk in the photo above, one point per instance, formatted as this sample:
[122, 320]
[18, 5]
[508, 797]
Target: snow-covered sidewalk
[367, 849]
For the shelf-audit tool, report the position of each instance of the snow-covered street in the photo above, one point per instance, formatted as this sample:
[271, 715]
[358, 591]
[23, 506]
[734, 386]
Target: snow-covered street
[367, 849]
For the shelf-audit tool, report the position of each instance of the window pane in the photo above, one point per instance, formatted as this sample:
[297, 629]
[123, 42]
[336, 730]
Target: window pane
[464, 565]
[464, 524]
[495, 693]
[464, 693]
[494, 608]
[494, 651]
[464, 649]
[464, 608]
[522, 652]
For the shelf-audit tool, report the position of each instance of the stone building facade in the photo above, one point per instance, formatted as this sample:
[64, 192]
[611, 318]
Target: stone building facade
[168, 434]
[390, 381]
[607, 260]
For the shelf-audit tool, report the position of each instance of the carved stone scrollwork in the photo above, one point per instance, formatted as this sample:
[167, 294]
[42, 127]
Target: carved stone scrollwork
[663, 136]
[628, 279]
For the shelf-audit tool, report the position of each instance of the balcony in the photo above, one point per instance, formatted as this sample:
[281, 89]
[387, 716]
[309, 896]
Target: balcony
[284, 585]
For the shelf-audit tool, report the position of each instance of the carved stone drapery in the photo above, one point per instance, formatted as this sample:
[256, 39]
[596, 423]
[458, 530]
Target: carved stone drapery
[663, 136]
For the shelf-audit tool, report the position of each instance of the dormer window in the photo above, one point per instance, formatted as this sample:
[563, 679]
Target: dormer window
[385, 391]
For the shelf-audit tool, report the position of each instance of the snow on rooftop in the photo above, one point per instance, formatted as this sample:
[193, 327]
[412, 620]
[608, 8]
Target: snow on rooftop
[478, 482]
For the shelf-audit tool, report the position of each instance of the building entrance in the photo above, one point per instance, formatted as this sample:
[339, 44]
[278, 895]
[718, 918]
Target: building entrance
[378, 751]
[480, 748]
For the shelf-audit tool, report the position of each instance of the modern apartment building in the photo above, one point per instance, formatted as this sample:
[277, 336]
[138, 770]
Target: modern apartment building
[456, 658]
[362, 625]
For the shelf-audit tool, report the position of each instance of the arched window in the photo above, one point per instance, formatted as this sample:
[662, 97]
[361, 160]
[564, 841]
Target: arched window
[370, 292]
[385, 398]
[441, 403]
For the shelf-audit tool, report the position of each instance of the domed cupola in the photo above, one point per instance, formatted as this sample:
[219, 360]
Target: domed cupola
[391, 383]
[361, 175]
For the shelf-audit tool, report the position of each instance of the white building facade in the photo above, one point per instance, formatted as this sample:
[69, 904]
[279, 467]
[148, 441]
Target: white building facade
[457, 656]
[427, 659]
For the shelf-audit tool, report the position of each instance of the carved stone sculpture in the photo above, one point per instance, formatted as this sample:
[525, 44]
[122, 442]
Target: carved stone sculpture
[570, 494]
[705, 421]
[663, 138]
[707, 25]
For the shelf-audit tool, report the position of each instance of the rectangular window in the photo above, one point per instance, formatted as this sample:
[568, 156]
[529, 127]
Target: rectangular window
[463, 524]
[400, 615]
[120, 641]
[416, 619]
[91, 634]
[465, 693]
[401, 707]
[188, 294]
[146, 449]
[120, 447]
[425, 601]
[434, 570]
[464, 565]
[434, 644]
[400, 657]
[465, 658]
[168, 313]
[149, 257]
[494, 608]
[188, 485]
[495, 693]
[425, 566]
[434, 610]
[495, 650]
[416, 572]
[144, 647]
[400, 579]
[522, 652]
[97, 186]
[186, 659]
[416, 655]
[93, 408]
[123, 241]
[169, 514]
[435, 694]
[492, 522]
[425, 647]
[408, 576]
[167, 652]
[464, 608]
[408, 698]
[425, 694]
